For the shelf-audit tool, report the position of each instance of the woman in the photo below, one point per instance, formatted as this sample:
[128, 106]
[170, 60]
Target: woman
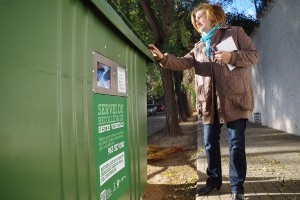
[223, 95]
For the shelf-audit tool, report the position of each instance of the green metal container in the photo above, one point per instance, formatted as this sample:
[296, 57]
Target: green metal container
[47, 115]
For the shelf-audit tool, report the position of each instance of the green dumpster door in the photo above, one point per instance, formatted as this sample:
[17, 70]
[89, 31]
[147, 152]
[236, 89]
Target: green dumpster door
[111, 146]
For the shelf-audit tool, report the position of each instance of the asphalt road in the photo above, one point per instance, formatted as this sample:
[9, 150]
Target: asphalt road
[156, 122]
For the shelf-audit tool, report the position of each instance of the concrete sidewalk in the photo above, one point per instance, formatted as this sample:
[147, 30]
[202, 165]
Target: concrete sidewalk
[273, 159]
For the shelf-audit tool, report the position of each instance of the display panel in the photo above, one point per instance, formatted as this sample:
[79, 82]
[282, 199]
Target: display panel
[103, 76]
[109, 77]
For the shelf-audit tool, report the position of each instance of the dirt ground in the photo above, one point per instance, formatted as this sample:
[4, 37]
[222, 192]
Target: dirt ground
[174, 177]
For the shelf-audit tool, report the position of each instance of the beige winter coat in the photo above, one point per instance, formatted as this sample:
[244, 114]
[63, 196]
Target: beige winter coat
[233, 88]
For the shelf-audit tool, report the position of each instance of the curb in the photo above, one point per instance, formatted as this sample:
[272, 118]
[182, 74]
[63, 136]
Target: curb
[199, 147]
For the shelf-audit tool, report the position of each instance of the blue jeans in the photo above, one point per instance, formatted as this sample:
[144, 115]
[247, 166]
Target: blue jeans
[237, 154]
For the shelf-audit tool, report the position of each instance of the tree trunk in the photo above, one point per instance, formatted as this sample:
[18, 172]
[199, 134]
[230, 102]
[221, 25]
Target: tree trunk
[180, 105]
[166, 9]
[173, 128]
[186, 103]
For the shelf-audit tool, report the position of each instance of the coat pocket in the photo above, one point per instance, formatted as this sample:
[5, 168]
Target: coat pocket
[237, 95]
[235, 85]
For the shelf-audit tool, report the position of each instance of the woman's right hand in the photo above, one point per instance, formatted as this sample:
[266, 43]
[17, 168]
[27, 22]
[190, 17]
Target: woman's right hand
[155, 52]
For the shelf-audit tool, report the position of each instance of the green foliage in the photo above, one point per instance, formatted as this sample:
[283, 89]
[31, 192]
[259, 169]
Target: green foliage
[183, 35]
[188, 82]
[154, 84]
[193, 95]
[132, 14]
[242, 20]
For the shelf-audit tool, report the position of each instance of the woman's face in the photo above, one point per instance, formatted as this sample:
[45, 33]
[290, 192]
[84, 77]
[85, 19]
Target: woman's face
[204, 25]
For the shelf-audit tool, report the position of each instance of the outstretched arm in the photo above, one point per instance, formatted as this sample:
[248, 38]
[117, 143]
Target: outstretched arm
[170, 61]
[157, 54]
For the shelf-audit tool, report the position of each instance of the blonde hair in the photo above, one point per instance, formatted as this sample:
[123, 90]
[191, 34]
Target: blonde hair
[214, 13]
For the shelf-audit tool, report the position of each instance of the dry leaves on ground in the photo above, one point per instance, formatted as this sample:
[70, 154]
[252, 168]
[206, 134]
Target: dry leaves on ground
[172, 164]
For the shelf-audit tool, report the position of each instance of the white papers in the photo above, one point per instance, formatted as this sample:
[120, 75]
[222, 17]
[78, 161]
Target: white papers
[227, 45]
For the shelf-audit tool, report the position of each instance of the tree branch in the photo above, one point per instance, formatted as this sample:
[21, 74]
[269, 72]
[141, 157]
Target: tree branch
[153, 22]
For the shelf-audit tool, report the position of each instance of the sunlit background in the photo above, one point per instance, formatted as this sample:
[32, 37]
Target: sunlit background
[245, 7]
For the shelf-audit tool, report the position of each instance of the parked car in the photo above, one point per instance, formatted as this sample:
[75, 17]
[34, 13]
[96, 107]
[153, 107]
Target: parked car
[160, 107]
[151, 109]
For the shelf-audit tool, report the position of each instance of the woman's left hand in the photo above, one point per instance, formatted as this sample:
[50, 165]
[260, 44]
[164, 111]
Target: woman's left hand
[223, 56]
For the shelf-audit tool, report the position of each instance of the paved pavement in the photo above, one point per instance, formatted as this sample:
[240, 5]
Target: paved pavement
[156, 122]
[273, 159]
